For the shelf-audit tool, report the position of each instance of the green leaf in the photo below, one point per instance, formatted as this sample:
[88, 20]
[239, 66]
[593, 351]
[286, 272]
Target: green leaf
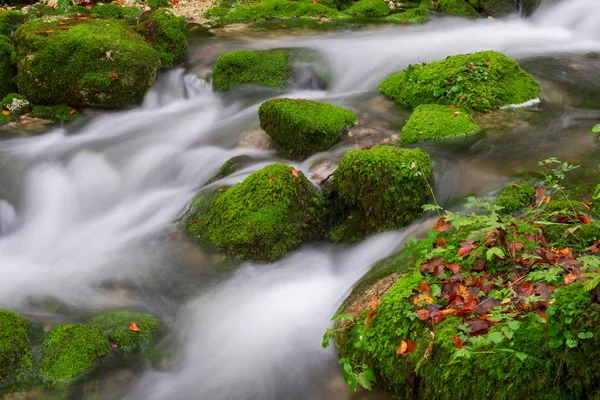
[596, 129]
[507, 332]
[585, 335]
[63, 5]
[556, 342]
[350, 380]
[369, 373]
[436, 290]
[521, 356]
[494, 251]
[496, 337]
[571, 343]
[364, 381]
[326, 338]
[514, 325]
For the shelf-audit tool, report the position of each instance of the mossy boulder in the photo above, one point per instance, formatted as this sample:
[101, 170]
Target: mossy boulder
[10, 21]
[15, 103]
[460, 8]
[99, 63]
[301, 128]
[55, 113]
[369, 8]
[515, 196]
[16, 357]
[278, 69]
[230, 167]
[115, 325]
[435, 122]
[165, 31]
[279, 10]
[270, 213]
[412, 15]
[70, 351]
[482, 81]
[116, 11]
[377, 189]
[7, 66]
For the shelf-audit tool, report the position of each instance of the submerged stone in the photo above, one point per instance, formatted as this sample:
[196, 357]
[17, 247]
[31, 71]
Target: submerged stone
[16, 357]
[434, 122]
[99, 63]
[270, 213]
[301, 128]
[482, 81]
[115, 325]
[377, 189]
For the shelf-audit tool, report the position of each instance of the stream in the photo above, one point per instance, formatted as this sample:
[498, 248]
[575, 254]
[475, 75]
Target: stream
[86, 210]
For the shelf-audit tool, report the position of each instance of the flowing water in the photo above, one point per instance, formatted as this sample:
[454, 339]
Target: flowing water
[85, 223]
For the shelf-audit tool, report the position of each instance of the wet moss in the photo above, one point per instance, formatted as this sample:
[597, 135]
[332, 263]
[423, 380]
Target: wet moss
[267, 68]
[369, 8]
[457, 7]
[411, 16]
[515, 196]
[165, 31]
[15, 103]
[157, 4]
[70, 351]
[10, 21]
[117, 11]
[74, 10]
[39, 10]
[270, 213]
[16, 357]
[97, 63]
[55, 113]
[301, 128]
[482, 81]
[230, 167]
[575, 236]
[115, 325]
[279, 9]
[7, 66]
[434, 122]
[379, 189]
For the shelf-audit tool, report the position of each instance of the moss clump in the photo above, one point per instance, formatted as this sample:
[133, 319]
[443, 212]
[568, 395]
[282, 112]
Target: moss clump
[596, 200]
[230, 166]
[267, 68]
[379, 189]
[412, 16]
[270, 213]
[55, 113]
[516, 196]
[10, 21]
[434, 121]
[482, 81]
[369, 8]
[300, 128]
[40, 10]
[74, 10]
[16, 358]
[69, 351]
[97, 63]
[457, 7]
[117, 11]
[156, 4]
[15, 103]
[7, 67]
[165, 31]
[115, 325]
[279, 9]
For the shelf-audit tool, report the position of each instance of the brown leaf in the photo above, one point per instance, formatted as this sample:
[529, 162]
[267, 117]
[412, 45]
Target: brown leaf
[410, 346]
[441, 225]
[539, 192]
[480, 265]
[565, 252]
[294, 172]
[584, 220]
[402, 347]
[513, 247]
[454, 267]
[570, 278]
[441, 242]
[423, 314]
[526, 289]
[466, 250]
[478, 326]
[423, 287]
[73, 111]
[457, 342]
[542, 290]
[133, 327]
[453, 106]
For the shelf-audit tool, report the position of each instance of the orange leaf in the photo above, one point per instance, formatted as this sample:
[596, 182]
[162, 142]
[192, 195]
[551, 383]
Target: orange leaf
[402, 347]
[73, 111]
[423, 287]
[196, 222]
[4, 112]
[50, 31]
[294, 172]
[584, 220]
[423, 314]
[371, 314]
[564, 252]
[441, 242]
[441, 225]
[65, 28]
[453, 106]
[545, 200]
[175, 2]
[133, 327]
[453, 267]
[527, 289]
[466, 250]
[374, 303]
[456, 114]
[457, 342]
[539, 192]
[570, 278]
[315, 1]
[271, 178]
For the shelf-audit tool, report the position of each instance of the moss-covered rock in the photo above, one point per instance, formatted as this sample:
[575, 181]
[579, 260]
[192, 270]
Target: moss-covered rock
[165, 31]
[38, 10]
[369, 8]
[279, 10]
[412, 15]
[16, 357]
[117, 11]
[98, 62]
[157, 4]
[270, 213]
[434, 122]
[14, 102]
[10, 21]
[279, 69]
[379, 189]
[300, 128]
[483, 81]
[55, 113]
[70, 351]
[515, 196]
[230, 167]
[7, 66]
[115, 325]
[457, 7]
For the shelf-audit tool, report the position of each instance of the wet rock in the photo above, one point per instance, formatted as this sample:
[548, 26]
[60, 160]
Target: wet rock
[255, 139]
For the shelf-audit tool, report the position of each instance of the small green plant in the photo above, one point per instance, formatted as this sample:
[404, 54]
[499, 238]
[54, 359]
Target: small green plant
[596, 129]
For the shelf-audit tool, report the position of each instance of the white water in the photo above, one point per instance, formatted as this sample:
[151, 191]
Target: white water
[93, 195]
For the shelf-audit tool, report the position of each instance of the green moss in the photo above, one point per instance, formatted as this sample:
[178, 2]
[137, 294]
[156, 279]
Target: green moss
[70, 351]
[156, 4]
[115, 325]
[74, 10]
[379, 189]
[575, 236]
[165, 31]
[97, 63]
[4, 119]
[300, 128]
[117, 11]
[40, 10]
[482, 81]
[369, 8]
[279, 9]
[457, 7]
[266, 68]
[515, 196]
[230, 166]
[411, 16]
[215, 12]
[16, 358]
[433, 121]
[10, 21]
[262, 218]
[55, 113]
[7, 67]
[14, 103]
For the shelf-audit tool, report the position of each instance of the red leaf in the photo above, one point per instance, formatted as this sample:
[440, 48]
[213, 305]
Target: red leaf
[371, 314]
[539, 192]
[466, 250]
[570, 278]
[133, 327]
[453, 267]
[294, 172]
[441, 242]
[410, 346]
[453, 106]
[441, 225]
[527, 289]
[457, 342]
[584, 220]
[114, 76]
[195, 222]
[423, 314]
[423, 287]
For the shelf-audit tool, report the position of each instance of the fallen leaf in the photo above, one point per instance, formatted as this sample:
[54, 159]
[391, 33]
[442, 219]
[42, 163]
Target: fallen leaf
[371, 314]
[175, 2]
[441, 242]
[539, 192]
[271, 178]
[294, 172]
[374, 303]
[453, 267]
[133, 327]
[423, 314]
[195, 222]
[423, 287]
[477, 326]
[65, 28]
[73, 111]
[570, 278]
[4, 112]
[147, 40]
[457, 342]
[114, 76]
[565, 252]
[526, 289]
[410, 346]
[441, 225]
[456, 114]
[466, 250]
[584, 220]
[453, 106]
[50, 31]
[402, 347]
